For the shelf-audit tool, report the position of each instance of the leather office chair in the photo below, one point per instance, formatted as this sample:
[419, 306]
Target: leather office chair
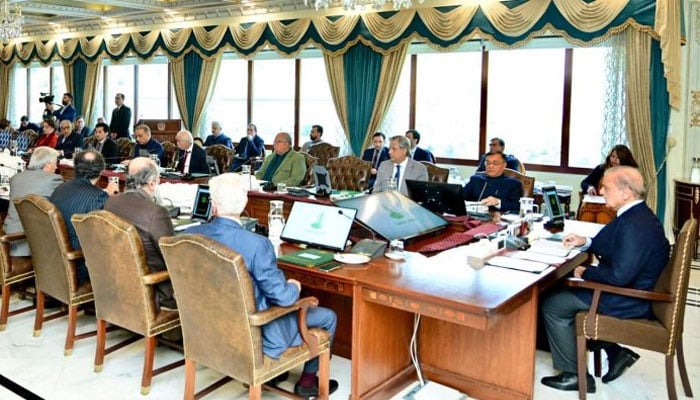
[310, 162]
[54, 264]
[208, 318]
[90, 142]
[324, 152]
[223, 156]
[528, 182]
[349, 173]
[123, 287]
[593, 212]
[126, 148]
[170, 150]
[435, 173]
[663, 334]
[13, 270]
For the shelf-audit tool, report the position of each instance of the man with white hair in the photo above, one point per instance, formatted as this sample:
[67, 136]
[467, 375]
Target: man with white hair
[228, 199]
[190, 159]
[217, 137]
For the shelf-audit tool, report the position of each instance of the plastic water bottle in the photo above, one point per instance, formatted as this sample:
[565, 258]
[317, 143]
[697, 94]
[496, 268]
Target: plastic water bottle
[275, 224]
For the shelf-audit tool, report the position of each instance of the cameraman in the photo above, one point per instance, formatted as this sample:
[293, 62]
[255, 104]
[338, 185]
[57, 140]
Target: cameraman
[68, 112]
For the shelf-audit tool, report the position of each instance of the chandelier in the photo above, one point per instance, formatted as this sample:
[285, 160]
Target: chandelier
[361, 4]
[10, 23]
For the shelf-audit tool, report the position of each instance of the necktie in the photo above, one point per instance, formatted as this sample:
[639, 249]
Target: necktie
[99, 147]
[397, 175]
[375, 158]
[181, 165]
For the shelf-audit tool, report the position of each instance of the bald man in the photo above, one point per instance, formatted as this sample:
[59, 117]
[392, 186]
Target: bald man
[633, 251]
[190, 159]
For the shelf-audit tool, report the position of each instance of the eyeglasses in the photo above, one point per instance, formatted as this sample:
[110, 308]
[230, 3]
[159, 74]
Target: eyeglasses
[495, 163]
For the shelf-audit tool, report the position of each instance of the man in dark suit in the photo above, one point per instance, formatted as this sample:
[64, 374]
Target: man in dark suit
[499, 145]
[68, 140]
[190, 159]
[217, 137]
[418, 153]
[80, 128]
[376, 154]
[632, 251]
[250, 146]
[121, 118]
[68, 111]
[81, 195]
[145, 145]
[399, 167]
[105, 145]
[492, 188]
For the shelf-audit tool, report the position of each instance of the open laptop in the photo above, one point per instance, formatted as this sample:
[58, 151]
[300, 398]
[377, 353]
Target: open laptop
[319, 225]
[201, 210]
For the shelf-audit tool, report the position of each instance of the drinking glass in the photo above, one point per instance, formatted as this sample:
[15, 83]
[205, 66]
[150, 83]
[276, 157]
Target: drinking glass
[114, 180]
[281, 187]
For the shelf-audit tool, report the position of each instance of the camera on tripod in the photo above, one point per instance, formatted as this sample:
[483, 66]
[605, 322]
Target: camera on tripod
[46, 98]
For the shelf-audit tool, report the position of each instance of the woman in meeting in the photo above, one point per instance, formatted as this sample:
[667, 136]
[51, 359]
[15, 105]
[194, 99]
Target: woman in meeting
[619, 155]
[49, 137]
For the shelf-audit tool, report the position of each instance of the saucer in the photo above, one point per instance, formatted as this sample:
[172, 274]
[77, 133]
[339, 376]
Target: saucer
[351, 258]
[394, 256]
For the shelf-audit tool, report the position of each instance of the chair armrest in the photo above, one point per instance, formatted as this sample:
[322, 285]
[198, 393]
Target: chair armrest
[74, 255]
[11, 237]
[156, 277]
[263, 317]
[637, 293]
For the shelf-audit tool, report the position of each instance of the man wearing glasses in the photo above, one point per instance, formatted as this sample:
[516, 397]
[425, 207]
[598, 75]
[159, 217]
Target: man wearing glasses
[498, 145]
[492, 188]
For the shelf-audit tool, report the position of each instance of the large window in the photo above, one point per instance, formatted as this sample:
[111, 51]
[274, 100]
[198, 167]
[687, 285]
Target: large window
[273, 97]
[153, 91]
[229, 102]
[18, 103]
[39, 82]
[120, 79]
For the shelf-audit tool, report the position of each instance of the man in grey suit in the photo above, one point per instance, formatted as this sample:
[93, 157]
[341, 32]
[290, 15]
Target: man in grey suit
[399, 166]
[39, 178]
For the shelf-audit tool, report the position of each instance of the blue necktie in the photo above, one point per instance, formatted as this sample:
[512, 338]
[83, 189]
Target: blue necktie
[397, 175]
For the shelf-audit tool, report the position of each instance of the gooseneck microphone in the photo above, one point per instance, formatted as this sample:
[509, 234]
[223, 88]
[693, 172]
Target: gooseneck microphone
[363, 226]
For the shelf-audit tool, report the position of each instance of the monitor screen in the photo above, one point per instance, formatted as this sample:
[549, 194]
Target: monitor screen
[202, 206]
[318, 225]
[551, 202]
[393, 215]
[438, 197]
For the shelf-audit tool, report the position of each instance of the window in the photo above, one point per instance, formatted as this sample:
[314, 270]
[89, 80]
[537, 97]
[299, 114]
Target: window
[396, 119]
[39, 82]
[120, 79]
[230, 100]
[273, 97]
[18, 105]
[58, 83]
[153, 91]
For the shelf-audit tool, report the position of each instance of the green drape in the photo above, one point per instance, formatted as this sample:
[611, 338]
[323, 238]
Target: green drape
[362, 68]
[79, 72]
[194, 78]
[660, 114]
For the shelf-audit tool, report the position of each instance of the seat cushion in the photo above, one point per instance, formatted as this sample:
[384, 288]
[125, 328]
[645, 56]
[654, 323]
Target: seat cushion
[643, 333]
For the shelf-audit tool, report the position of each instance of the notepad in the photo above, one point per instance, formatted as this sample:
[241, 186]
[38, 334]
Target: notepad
[549, 247]
[521, 265]
[532, 256]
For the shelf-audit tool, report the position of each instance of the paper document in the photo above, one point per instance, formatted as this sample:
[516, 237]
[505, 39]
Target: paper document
[549, 247]
[593, 199]
[532, 256]
[521, 265]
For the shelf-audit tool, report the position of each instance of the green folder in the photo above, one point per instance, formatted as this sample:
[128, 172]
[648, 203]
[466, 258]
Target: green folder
[307, 257]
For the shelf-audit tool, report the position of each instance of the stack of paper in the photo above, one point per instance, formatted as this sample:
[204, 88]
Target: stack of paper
[521, 265]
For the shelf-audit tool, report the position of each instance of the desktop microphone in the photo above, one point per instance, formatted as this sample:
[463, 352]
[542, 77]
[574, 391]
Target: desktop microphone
[482, 191]
[370, 247]
[18, 169]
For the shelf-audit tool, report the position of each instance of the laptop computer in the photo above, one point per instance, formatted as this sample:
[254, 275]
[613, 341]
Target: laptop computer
[201, 210]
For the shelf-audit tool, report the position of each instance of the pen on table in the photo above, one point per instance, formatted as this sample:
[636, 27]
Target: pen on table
[483, 189]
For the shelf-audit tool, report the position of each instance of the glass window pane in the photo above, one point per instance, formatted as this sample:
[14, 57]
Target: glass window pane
[120, 79]
[228, 104]
[153, 91]
[525, 97]
[39, 83]
[59, 83]
[18, 105]
[273, 97]
[396, 118]
[448, 119]
[316, 105]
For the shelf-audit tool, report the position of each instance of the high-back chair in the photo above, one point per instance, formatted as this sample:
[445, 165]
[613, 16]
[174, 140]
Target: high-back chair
[223, 156]
[349, 173]
[170, 150]
[435, 173]
[324, 152]
[310, 162]
[223, 332]
[123, 286]
[54, 263]
[528, 182]
[90, 142]
[664, 334]
[126, 147]
[13, 270]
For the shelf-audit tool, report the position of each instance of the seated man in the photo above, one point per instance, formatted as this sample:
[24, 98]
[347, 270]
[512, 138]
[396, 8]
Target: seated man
[315, 135]
[138, 206]
[68, 140]
[249, 147]
[376, 154]
[229, 196]
[284, 165]
[191, 159]
[417, 153]
[105, 145]
[80, 128]
[494, 189]
[25, 124]
[400, 167]
[217, 137]
[632, 250]
[498, 145]
[145, 145]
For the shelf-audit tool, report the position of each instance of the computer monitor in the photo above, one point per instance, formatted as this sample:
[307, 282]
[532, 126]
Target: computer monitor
[438, 197]
[393, 215]
[319, 225]
[552, 206]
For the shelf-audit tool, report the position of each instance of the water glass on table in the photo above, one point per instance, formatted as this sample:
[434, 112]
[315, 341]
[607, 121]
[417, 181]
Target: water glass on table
[114, 182]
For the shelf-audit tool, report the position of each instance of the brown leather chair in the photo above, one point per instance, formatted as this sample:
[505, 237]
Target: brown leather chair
[664, 334]
[349, 173]
[435, 173]
[324, 152]
[54, 264]
[126, 148]
[170, 150]
[123, 287]
[528, 182]
[594, 212]
[223, 156]
[224, 332]
[310, 162]
[90, 142]
[13, 270]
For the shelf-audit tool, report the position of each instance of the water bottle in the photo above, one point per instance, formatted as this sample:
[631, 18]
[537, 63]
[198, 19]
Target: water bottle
[275, 223]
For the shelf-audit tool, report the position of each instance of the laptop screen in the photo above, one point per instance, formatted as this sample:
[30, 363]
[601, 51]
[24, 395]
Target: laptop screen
[551, 202]
[201, 209]
[318, 225]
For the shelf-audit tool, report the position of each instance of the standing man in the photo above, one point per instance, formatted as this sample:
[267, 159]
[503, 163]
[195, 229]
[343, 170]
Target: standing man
[80, 128]
[68, 140]
[81, 195]
[376, 154]
[105, 145]
[217, 137]
[315, 136]
[68, 112]
[145, 145]
[632, 251]
[400, 167]
[498, 145]
[250, 146]
[190, 158]
[418, 153]
[284, 164]
[121, 117]
[493, 189]
[138, 206]
[228, 199]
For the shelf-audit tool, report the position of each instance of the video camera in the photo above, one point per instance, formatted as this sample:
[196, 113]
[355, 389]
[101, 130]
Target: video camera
[46, 98]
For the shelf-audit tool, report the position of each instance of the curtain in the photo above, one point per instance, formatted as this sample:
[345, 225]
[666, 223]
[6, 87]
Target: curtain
[660, 115]
[82, 80]
[194, 78]
[614, 112]
[5, 72]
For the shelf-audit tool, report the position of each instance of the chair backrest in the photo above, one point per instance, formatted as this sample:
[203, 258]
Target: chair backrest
[170, 150]
[528, 182]
[674, 279]
[49, 243]
[125, 146]
[349, 173]
[213, 166]
[215, 328]
[26, 139]
[310, 162]
[324, 152]
[435, 173]
[90, 141]
[116, 262]
[223, 156]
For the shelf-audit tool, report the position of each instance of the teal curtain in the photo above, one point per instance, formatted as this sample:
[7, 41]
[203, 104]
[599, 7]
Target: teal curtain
[362, 69]
[193, 70]
[79, 78]
[660, 114]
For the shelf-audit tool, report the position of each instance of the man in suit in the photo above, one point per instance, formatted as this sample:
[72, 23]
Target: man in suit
[191, 159]
[228, 200]
[284, 165]
[39, 178]
[376, 154]
[138, 206]
[68, 111]
[492, 188]
[80, 128]
[68, 140]
[121, 117]
[499, 145]
[25, 123]
[81, 195]
[418, 153]
[632, 251]
[315, 135]
[399, 166]
[105, 145]
[250, 146]
[217, 137]
[145, 145]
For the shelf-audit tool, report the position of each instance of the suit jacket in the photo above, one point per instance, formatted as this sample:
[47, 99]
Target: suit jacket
[110, 151]
[67, 144]
[269, 283]
[151, 147]
[511, 163]
[31, 181]
[369, 154]
[291, 171]
[66, 113]
[221, 139]
[198, 160]
[632, 250]
[121, 121]
[420, 154]
[247, 149]
[414, 171]
[508, 190]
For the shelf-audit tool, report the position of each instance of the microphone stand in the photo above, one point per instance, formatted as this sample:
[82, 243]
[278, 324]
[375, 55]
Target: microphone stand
[370, 247]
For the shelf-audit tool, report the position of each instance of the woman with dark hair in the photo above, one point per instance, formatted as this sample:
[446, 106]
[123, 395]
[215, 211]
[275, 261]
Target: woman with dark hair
[49, 137]
[619, 155]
